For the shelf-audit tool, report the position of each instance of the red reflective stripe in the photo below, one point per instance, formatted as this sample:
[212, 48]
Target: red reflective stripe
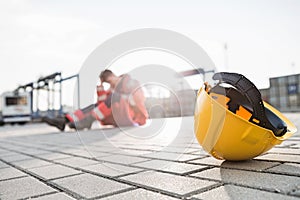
[104, 109]
[69, 117]
[79, 114]
[101, 111]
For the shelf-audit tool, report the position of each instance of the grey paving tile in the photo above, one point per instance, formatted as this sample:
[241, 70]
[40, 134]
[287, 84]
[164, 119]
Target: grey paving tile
[123, 159]
[173, 156]
[254, 179]
[89, 186]
[16, 157]
[89, 153]
[54, 171]
[287, 168]
[139, 194]
[256, 165]
[231, 192]
[110, 169]
[168, 182]
[10, 172]
[56, 196]
[23, 188]
[77, 162]
[168, 166]
[53, 156]
[280, 157]
[3, 165]
[285, 151]
[208, 161]
[27, 164]
[34, 151]
[5, 153]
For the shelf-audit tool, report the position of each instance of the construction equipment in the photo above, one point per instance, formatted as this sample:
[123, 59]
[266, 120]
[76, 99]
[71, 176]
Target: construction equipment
[233, 123]
[16, 107]
[22, 104]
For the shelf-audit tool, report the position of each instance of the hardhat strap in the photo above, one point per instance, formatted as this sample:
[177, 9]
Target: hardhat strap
[260, 115]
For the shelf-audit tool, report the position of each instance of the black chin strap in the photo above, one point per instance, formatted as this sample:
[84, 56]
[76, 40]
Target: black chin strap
[260, 115]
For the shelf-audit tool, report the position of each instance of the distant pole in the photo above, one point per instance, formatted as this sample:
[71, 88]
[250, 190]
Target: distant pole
[78, 91]
[225, 48]
[293, 67]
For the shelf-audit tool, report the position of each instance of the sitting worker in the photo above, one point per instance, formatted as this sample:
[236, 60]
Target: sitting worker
[121, 105]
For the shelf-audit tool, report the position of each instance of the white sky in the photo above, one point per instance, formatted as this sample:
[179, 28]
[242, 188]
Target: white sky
[41, 37]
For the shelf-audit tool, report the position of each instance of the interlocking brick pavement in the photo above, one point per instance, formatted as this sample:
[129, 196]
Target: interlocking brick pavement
[38, 162]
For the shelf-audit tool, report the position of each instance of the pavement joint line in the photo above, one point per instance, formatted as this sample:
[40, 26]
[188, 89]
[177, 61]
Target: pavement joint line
[158, 151]
[146, 187]
[33, 175]
[295, 154]
[272, 166]
[40, 195]
[245, 186]
[99, 159]
[113, 193]
[131, 165]
[8, 179]
[170, 172]
[132, 173]
[211, 187]
[253, 170]
[189, 173]
[66, 190]
[196, 171]
[61, 177]
[280, 161]
[75, 195]
[126, 182]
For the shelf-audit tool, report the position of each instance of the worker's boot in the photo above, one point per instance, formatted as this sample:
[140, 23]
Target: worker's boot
[58, 122]
[82, 124]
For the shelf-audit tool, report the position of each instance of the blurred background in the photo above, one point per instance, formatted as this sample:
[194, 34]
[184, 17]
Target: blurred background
[45, 43]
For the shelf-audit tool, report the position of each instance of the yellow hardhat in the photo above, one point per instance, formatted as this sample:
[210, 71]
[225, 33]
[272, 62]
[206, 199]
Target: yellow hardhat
[233, 123]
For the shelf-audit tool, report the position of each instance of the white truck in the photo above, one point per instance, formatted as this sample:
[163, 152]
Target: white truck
[15, 107]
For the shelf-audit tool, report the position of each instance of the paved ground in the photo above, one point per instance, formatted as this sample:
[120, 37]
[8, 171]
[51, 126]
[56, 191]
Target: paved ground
[38, 162]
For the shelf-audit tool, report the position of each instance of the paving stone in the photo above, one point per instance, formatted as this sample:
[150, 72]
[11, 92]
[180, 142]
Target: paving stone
[54, 171]
[285, 151]
[56, 196]
[248, 165]
[134, 152]
[77, 162]
[4, 153]
[23, 188]
[53, 156]
[123, 159]
[168, 166]
[173, 156]
[139, 194]
[273, 182]
[110, 169]
[27, 164]
[89, 153]
[208, 161]
[89, 186]
[280, 157]
[34, 151]
[232, 192]
[3, 165]
[168, 182]
[10, 172]
[16, 157]
[287, 168]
